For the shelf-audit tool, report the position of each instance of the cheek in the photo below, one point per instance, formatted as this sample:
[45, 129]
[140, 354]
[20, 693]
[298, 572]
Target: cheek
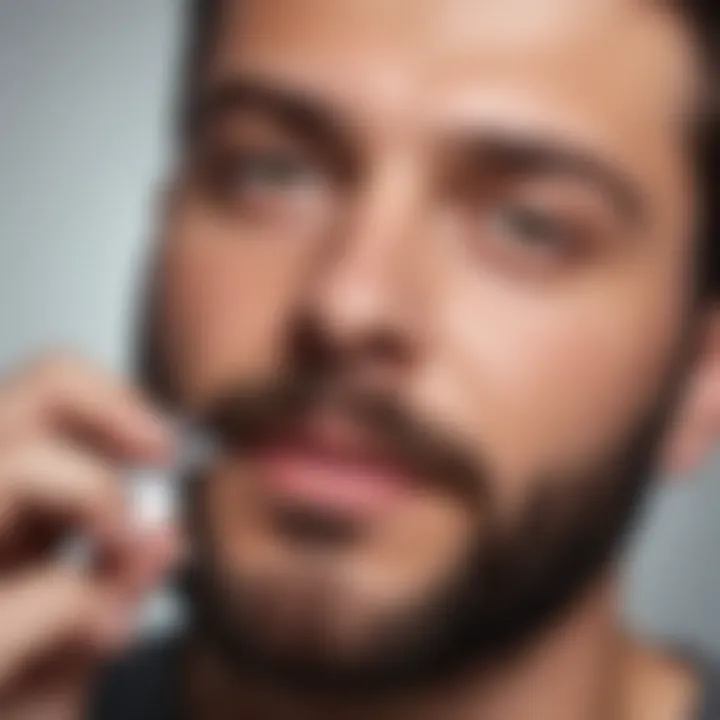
[239, 535]
[421, 547]
[226, 298]
[552, 378]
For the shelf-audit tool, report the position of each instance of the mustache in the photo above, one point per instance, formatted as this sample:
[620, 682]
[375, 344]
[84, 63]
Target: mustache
[247, 415]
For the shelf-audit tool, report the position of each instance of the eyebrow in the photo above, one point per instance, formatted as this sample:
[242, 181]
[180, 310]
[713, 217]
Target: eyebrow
[313, 119]
[524, 153]
[299, 111]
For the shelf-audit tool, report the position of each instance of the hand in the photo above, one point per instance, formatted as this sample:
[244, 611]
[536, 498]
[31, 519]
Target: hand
[65, 427]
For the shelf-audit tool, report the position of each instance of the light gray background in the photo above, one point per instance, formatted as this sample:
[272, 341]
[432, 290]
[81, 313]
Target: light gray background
[85, 89]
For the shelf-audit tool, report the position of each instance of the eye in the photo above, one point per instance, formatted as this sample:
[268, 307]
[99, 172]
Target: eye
[257, 178]
[266, 171]
[531, 227]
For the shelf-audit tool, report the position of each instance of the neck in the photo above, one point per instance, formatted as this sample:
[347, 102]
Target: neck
[582, 668]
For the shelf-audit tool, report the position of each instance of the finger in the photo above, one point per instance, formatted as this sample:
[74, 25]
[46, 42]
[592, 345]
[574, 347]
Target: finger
[143, 563]
[54, 480]
[68, 394]
[49, 609]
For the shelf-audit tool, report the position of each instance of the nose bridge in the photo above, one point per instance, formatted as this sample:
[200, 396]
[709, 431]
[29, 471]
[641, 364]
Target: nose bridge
[386, 210]
[372, 282]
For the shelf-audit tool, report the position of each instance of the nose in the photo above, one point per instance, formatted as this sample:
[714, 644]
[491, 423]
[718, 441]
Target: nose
[367, 301]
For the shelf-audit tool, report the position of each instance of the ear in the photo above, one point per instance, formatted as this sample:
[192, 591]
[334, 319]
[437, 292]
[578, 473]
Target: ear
[697, 426]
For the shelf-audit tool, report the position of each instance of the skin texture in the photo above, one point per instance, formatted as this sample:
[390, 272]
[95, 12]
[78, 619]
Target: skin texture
[394, 236]
[398, 232]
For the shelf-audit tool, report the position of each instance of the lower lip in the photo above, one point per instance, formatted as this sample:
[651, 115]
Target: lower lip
[351, 488]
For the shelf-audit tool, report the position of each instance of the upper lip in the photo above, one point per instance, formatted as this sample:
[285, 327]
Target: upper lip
[334, 438]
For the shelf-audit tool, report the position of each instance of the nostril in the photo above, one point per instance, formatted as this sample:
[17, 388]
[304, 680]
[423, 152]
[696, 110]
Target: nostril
[323, 347]
[311, 349]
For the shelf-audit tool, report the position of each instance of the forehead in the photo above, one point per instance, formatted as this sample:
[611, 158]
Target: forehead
[436, 45]
[616, 73]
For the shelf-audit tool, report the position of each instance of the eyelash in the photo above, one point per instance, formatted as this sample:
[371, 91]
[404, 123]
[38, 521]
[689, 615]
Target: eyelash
[257, 179]
[232, 173]
[544, 228]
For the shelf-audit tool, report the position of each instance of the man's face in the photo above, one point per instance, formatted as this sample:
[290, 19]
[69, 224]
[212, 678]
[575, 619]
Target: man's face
[477, 212]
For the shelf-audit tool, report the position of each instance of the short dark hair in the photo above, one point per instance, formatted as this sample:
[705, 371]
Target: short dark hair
[703, 18]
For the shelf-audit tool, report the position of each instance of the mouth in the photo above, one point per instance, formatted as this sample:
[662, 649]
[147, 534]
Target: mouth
[330, 467]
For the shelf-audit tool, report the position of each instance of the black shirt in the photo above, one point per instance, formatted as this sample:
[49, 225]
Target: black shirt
[143, 686]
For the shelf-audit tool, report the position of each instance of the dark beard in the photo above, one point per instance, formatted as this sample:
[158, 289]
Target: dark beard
[514, 582]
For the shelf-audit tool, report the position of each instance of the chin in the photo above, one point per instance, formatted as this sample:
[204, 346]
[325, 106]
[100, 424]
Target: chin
[315, 619]
[320, 592]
